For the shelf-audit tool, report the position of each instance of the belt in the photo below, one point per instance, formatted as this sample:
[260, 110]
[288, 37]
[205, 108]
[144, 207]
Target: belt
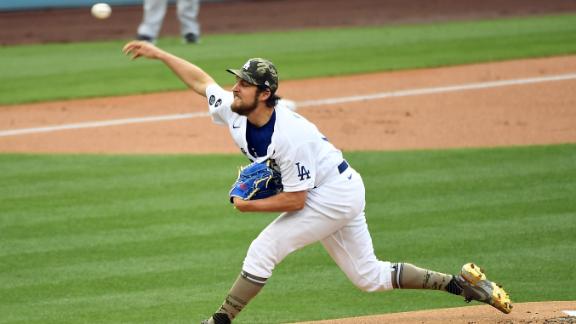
[342, 166]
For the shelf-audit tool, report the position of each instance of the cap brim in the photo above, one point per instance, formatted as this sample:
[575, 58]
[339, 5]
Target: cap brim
[237, 73]
[242, 75]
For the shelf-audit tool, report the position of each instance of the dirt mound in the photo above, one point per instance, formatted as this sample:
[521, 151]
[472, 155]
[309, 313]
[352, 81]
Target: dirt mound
[540, 312]
[516, 114]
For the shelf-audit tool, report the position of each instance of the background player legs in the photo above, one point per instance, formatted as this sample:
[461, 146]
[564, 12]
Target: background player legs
[188, 15]
[154, 12]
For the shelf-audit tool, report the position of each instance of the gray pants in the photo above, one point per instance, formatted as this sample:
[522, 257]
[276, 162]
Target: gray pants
[155, 10]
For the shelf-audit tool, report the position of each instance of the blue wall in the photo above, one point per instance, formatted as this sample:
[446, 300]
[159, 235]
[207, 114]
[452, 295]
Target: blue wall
[6, 5]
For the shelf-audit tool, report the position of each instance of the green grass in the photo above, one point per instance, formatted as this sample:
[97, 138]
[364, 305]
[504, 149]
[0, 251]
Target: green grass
[152, 239]
[65, 71]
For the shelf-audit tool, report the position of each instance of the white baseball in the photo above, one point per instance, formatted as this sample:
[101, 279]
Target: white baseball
[101, 10]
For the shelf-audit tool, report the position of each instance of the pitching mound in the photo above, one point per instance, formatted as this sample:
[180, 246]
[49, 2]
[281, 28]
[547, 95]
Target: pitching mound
[542, 312]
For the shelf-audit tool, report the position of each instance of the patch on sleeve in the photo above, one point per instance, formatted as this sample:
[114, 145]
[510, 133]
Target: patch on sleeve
[303, 173]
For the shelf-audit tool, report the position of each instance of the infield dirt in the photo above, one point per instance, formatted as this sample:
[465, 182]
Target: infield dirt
[515, 114]
[545, 312]
[521, 114]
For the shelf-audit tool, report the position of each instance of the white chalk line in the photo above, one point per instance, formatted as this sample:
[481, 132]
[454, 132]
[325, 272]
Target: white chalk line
[434, 90]
[307, 103]
[105, 123]
[571, 313]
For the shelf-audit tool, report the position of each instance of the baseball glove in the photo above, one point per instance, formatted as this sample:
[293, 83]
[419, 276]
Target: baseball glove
[256, 181]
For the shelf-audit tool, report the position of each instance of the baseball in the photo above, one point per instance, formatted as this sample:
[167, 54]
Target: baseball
[101, 10]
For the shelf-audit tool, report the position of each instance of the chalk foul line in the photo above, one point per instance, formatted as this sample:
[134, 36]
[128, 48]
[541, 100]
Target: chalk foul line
[307, 103]
[104, 123]
[434, 90]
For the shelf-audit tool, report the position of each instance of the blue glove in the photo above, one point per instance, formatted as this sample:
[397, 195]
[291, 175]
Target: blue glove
[256, 181]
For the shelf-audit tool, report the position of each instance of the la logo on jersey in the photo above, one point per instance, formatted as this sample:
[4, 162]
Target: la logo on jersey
[302, 172]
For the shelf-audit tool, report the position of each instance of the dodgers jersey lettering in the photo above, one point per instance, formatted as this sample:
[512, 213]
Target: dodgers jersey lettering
[305, 158]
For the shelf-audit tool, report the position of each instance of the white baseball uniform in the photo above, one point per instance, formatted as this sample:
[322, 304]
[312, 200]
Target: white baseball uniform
[334, 208]
[155, 10]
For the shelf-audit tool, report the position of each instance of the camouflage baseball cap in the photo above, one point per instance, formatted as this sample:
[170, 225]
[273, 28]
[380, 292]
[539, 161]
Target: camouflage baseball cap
[258, 71]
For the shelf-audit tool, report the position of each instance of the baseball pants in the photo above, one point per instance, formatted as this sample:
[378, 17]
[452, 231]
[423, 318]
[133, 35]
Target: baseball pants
[333, 215]
[155, 10]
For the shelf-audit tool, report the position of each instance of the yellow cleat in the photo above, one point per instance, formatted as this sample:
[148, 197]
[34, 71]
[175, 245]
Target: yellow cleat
[475, 286]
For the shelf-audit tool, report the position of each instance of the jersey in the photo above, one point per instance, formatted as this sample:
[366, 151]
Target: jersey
[334, 209]
[306, 159]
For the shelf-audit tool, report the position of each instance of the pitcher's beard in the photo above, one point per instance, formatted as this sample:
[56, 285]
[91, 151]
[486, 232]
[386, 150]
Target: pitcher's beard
[244, 109]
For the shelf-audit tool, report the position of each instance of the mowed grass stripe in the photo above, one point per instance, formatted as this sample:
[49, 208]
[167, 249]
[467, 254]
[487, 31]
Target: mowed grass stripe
[133, 279]
[144, 307]
[159, 224]
[152, 224]
[523, 223]
[99, 269]
[54, 70]
[172, 258]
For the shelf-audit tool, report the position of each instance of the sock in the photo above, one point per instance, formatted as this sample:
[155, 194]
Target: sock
[245, 288]
[408, 276]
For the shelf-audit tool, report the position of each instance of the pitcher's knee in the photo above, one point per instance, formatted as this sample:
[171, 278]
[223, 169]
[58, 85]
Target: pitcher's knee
[262, 257]
[377, 277]
[365, 285]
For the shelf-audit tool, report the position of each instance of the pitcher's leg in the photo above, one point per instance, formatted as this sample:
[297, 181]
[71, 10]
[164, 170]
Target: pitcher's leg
[351, 248]
[409, 276]
[470, 283]
[243, 290]
[286, 234]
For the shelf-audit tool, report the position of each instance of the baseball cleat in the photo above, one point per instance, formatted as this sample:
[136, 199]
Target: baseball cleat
[217, 318]
[145, 38]
[191, 38]
[475, 286]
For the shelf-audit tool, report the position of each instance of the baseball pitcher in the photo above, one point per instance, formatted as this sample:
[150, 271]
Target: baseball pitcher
[297, 171]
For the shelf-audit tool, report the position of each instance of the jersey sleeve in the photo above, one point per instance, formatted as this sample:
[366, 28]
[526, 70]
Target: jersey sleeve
[299, 172]
[219, 102]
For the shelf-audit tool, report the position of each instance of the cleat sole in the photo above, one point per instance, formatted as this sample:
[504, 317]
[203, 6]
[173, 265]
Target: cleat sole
[472, 273]
[499, 299]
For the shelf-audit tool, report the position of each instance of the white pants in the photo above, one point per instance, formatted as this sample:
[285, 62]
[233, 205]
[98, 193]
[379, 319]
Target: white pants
[155, 10]
[333, 215]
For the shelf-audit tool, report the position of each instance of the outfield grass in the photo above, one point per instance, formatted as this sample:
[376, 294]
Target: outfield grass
[152, 239]
[64, 71]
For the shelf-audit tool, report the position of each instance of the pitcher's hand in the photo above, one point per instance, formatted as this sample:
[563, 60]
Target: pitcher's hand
[136, 49]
